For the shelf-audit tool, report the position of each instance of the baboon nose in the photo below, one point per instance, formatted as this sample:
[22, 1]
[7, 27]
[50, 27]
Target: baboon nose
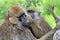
[27, 21]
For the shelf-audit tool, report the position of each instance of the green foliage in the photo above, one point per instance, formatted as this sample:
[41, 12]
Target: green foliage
[5, 4]
[40, 5]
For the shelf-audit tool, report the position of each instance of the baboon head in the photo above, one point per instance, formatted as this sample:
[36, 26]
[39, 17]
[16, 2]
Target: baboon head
[17, 16]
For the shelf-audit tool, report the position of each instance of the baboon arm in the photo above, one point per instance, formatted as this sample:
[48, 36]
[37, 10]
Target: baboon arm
[36, 31]
[35, 27]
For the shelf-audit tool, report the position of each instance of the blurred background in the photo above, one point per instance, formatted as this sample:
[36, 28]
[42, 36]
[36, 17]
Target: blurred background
[40, 5]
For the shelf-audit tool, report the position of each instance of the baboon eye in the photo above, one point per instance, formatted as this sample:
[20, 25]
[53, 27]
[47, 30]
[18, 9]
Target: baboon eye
[21, 16]
[30, 11]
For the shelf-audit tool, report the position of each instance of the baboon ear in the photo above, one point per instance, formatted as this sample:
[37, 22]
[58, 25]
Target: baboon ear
[13, 20]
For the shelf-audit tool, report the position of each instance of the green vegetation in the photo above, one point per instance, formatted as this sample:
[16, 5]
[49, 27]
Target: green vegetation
[40, 5]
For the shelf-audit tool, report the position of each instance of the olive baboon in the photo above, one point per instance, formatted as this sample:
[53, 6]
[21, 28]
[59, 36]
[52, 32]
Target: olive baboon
[17, 27]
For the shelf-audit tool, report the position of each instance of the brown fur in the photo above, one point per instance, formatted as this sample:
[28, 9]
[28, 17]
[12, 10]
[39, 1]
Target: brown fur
[44, 25]
[17, 11]
[8, 30]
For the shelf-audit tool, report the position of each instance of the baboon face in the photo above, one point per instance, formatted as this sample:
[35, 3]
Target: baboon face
[17, 16]
[25, 22]
[14, 12]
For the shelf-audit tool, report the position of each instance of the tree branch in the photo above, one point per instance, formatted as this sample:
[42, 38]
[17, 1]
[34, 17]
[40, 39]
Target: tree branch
[52, 12]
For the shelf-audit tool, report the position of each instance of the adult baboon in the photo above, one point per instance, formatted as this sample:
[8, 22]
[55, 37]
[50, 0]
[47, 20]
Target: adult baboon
[17, 27]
